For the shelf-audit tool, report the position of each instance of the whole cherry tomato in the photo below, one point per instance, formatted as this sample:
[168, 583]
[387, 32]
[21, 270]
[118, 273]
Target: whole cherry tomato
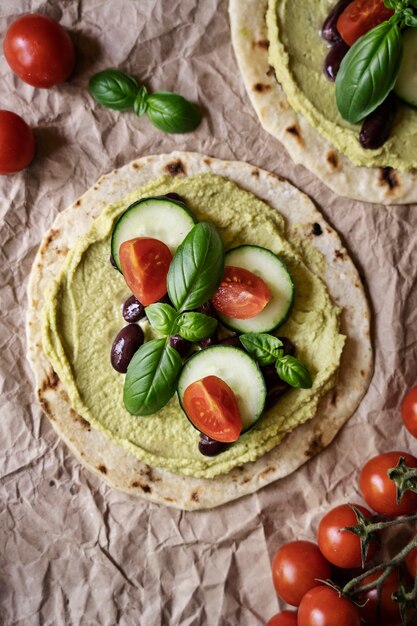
[409, 411]
[286, 618]
[296, 568]
[212, 407]
[145, 263]
[390, 610]
[39, 50]
[342, 547]
[241, 294]
[17, 143]
[359, 17]
[322, 606]
[411, 562]
[379, 491]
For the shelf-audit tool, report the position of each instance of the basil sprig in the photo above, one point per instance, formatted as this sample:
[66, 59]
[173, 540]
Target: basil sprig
[167, 111]
[197, 268]
[151, 377]
[161, 317]
[266, 349]
[196, 326]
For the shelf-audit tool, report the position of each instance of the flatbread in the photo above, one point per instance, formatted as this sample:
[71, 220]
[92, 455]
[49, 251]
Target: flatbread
[120, 468]
[304, 143]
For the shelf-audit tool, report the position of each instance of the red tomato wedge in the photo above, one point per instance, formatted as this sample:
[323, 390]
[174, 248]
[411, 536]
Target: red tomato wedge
[145, 263]
[212, 407]
[241, 294]
[359, 17]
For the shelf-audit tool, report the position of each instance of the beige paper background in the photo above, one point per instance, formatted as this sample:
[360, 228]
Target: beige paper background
[72, 550]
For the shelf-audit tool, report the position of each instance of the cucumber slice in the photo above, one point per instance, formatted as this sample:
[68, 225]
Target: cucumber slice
[273, 271]
[158, 218]
[237, 369]
[406, 85]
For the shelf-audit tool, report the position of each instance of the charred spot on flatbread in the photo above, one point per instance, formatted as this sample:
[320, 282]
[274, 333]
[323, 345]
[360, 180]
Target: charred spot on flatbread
[268, 470]
[50, 382]
[270, 71]
[136, 165]
[78, 203]
[176, 168]
[261, 87]
[207, 160]
[77, 418]
[255, 172]
[136, 484]
[261, 43]
[317, 229]
[339, 254]
[102, 468]
[316, 445]
[295, 132]
[388, 177]
[195, 497]
[332, 159]
[51, 236]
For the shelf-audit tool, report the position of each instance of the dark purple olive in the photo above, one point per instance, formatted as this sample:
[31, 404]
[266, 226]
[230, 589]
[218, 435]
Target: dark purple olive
[127, 342]
[182, 346]
[376, 127]
[329, 30]
[334, 58]
[174, 196]
[133, 310]
[210, 447]
[289, 347]
[112, 261]
[210, 341]
[231, 341]
[207, 309]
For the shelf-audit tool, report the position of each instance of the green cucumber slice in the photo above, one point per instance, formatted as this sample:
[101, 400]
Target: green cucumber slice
[274, 273]
[158, 218]
[237, 369]
[406, 85]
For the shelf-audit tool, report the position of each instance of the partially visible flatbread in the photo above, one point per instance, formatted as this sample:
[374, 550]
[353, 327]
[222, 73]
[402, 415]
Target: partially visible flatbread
[117, 466]
[304, 143]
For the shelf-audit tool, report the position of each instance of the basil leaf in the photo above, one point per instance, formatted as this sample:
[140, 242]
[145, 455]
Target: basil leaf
[263, 347]
[114, 89]
[368, 72]
[141, 101]
[161, 317]
[151, 377]
[411, 20]
[196, 326]
[293, 372]
[172, 113]
[197, 268]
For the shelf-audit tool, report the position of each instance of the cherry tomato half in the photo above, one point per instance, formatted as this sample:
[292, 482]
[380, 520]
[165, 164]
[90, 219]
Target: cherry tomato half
[359, 17]
[342, 547]
[409, 411]
[39, 50]
[241, 294]
[212, 407]
[411, 562]
[390, 610]
[322, 606]
[379, 491]
[297, 567]
[145, 263]
[17, 143]
[286, 618]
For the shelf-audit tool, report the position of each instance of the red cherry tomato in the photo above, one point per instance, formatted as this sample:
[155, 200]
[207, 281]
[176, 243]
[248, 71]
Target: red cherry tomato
[390, 610]
[296, 568]
[39, 50]
[342, 547]
[409, 411]
[212, 407]
[145, 263]
[411, 562]
[359, 17]
[322, 606]
[286, 618]
[241, 294]
[17, 143]
[379, 491]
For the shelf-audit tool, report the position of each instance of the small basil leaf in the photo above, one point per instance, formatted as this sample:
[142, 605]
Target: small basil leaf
[196, 326]
[293, 372]
[113, 89]
[141, 101]
[172, 113]
[411, 20]
[151, 377]
[197, 267]
[263, 347]
[161, 317]
[368, 72]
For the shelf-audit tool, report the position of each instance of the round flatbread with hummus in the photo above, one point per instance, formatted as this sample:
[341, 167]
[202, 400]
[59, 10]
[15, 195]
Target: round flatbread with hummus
[75, 299]
[278, 38]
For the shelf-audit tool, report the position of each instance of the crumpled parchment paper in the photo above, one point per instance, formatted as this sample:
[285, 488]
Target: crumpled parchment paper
[72, 550]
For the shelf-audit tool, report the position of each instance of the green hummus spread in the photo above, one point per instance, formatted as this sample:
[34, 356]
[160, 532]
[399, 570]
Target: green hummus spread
[297, 53]
[82, 316]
